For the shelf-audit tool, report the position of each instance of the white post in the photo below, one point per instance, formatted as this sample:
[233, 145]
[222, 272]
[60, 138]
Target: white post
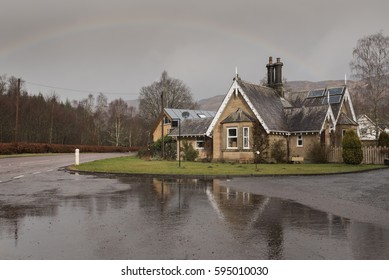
[77, 157]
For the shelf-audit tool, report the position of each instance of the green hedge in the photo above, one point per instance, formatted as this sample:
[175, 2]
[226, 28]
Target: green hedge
[40, 148]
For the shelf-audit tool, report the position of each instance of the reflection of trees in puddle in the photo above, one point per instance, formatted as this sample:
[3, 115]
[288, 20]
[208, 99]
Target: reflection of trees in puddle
[41, 204]
[11, 216]
[46, 204]
[167, 201]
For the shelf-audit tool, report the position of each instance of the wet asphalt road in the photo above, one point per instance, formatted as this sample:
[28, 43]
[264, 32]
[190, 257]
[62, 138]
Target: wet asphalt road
[51, 214]
[19, 167]
[359, 196]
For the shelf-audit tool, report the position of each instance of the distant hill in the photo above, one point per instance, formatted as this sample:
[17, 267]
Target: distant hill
[296, 86]
[213, 103]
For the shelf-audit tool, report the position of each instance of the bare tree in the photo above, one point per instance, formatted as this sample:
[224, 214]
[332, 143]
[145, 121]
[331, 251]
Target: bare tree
[3, 84]
[370, 63]
[175, 93]
[100, 117]
[118, 113]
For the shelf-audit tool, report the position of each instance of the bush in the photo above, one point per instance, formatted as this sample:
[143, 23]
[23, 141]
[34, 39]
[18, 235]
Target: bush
[352, 148]
[189, 153]
[318, 153]
[383, 140]
[278, 151]
[170, 148]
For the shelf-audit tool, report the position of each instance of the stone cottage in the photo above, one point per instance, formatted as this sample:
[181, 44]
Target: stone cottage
[255, 118]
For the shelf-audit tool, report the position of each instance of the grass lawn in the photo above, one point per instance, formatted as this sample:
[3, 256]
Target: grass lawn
[133, 165]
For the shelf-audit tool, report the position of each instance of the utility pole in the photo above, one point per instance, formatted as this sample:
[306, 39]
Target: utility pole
[51, 121]
[17, 112]
[163, 120]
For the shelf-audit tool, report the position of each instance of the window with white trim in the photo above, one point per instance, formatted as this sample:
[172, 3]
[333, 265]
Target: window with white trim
[300, 141]
[246, 138]
[232, 138]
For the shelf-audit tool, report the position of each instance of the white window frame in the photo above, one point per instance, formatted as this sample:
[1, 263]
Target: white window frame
[232, 137]
[246, 137]
[300, 140]
[197, 144]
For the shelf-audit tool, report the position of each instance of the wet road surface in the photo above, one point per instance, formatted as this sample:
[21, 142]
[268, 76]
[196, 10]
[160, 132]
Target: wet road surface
[14, 168]
[59, 215]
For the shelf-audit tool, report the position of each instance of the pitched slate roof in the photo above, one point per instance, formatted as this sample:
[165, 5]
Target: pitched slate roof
[318, 97]
[267, 103]
[193, 114]
[299, 99]
[306, 119]
[192, 127]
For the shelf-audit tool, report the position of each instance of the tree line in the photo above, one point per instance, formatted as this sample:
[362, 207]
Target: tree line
[91, 121]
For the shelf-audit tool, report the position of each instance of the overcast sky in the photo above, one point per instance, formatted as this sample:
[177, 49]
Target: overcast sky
[118, 46]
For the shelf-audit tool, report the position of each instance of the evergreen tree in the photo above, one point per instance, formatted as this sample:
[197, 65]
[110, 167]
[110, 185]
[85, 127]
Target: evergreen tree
[383, 140]
[352, 148]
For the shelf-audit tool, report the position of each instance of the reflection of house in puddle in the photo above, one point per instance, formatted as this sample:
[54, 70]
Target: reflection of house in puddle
[177, 192]
[272, 224]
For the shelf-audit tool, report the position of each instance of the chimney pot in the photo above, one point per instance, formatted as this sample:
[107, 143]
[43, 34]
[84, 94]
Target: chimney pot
[278, 77]
[270, 60]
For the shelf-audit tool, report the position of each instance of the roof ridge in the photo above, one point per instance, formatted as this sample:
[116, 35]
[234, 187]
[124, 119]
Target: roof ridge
[257, 85]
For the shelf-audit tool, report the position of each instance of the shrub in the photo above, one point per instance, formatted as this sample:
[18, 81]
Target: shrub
[383, 140]
[189, 153]
[318, 153]
[170, 148]
[278, 151]
[145, 153]
[352, 148]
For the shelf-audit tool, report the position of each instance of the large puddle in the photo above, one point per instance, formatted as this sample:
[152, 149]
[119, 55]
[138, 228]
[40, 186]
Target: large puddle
[133, 218]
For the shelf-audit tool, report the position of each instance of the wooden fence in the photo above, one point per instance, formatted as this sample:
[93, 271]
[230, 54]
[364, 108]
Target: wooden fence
[371, 155]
